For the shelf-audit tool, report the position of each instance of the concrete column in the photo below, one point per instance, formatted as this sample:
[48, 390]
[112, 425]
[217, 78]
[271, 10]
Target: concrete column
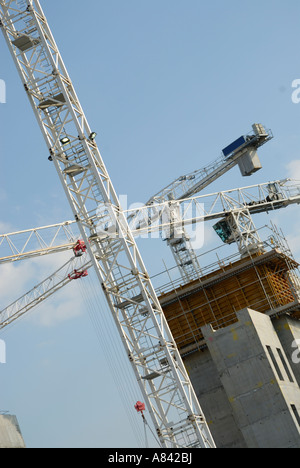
[258, 381]
[213, 400]
[10, 433]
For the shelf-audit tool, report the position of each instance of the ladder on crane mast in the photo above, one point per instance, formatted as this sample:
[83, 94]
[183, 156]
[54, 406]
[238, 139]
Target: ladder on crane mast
[149, 344]
[242, 152]
[224, 207]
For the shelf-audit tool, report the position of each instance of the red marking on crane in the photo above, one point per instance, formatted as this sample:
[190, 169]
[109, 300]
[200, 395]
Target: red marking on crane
[140, 407]
[78, 274]
[79, 248]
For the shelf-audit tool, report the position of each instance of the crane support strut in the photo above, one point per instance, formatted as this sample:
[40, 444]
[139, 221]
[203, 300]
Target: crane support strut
[149, 344]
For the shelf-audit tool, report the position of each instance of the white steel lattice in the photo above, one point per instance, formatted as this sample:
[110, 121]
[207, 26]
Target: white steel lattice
[36, 242]
[169, 218]
[188, 185]
[160, 372]
[41, 292]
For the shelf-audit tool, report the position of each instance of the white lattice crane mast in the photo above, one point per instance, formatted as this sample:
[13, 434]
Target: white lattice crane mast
[227, 206]
[253, 199]
[242, 152]
[149, 344]
[59, 237]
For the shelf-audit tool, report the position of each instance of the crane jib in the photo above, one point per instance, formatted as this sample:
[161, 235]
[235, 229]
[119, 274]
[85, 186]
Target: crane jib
[163, 380]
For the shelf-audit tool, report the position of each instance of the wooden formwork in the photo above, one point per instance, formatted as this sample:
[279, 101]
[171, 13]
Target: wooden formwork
[262, 283]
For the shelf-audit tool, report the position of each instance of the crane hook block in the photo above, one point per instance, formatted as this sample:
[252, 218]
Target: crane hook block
[79, 248]
[78, 274]
[140, 407]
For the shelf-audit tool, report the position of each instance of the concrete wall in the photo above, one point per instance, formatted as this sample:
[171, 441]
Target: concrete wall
[258, 381]
[213, 400]
[10, 433]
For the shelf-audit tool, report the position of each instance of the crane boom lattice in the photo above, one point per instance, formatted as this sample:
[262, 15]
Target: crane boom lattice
[242, 152]
[149, 344]
[190, 184]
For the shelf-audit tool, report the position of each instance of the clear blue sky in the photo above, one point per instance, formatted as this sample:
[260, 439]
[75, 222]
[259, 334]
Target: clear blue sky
[166, 84]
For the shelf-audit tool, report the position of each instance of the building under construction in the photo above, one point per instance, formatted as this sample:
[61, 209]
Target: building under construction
[236, 322]
[237, 328]
[10, 433]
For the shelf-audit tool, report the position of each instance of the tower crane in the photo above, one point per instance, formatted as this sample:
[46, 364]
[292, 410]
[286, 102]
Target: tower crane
[221, 206]
[149, 344]
[254, 199]
[242, 152]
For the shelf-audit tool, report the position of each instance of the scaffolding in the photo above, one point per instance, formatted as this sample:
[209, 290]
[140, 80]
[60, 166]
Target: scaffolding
[266, 281]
